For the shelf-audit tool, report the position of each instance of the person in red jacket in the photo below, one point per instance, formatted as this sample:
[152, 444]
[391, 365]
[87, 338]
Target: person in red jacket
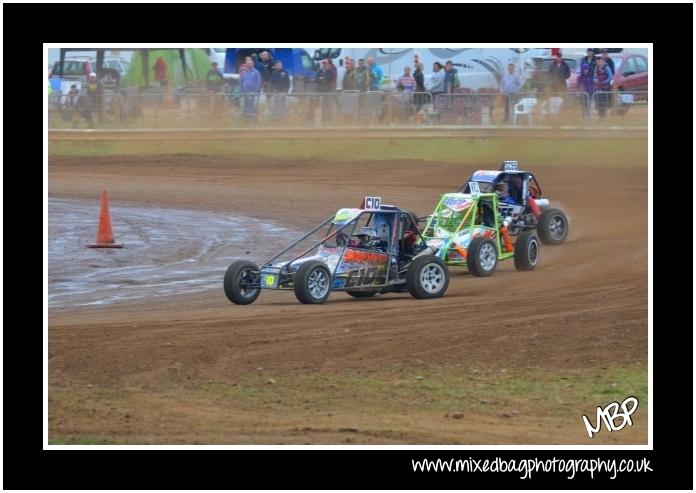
[161, 75]
[160, 69]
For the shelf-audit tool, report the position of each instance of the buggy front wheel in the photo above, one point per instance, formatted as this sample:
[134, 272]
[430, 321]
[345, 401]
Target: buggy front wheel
[427, 277]
[242, 282]
[526, 251]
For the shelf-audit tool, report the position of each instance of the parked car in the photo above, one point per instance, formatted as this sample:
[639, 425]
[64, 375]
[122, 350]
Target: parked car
[216, 55]
[77, 69]
[631, 73]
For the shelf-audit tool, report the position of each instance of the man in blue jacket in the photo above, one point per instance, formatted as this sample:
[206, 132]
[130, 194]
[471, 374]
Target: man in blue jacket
[250, 85]
[377, 75]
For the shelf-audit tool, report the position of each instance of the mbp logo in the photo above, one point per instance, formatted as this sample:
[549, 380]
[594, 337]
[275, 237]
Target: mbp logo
[609, 415]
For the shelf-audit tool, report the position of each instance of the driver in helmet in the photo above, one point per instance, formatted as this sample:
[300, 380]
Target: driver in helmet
[365, 238]
[503, 191]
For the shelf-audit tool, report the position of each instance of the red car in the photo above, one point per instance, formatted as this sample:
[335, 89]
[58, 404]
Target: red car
[631, 73]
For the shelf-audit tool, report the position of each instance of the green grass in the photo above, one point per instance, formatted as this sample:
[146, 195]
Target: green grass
[570, 152]
[79, 440]
[241, 405]
[545, 393]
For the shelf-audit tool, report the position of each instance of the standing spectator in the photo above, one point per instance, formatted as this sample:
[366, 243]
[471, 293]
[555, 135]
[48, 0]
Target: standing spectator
[325, 77]
[95, 98]
[88, 66]
[250, 85]
[585, 83]
[266, 65]
[420, 84]
[72, 104]
[377, 75]
[363, 80]
[437, 81]
[348, 83]
[279, 82]
[559, 72]
[608, 61]
[451, 77]
[405, 85]
[334, 82]
[510, 85]
[603, 80]
[161, 72]
[237, 92]
[161, 75]
[213, 82]
[326, 83]
[279, 85]
[590, 60]
[362, 77]
[214, 79]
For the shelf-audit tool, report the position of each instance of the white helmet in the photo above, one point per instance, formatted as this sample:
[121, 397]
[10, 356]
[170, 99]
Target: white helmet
[366, 235]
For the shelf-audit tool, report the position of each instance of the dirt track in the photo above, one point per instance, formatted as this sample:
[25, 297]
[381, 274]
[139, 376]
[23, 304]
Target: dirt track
[171, 370]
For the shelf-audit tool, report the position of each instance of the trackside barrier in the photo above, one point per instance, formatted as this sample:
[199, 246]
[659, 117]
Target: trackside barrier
[197, 108]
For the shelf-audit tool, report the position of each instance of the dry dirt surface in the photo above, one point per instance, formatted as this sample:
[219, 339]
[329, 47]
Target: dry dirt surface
[197, 369]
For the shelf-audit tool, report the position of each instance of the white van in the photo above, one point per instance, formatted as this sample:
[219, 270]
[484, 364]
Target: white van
[216, 55]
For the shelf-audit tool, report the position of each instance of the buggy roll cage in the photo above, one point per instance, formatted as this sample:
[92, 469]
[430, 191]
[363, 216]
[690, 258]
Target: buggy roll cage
[465, 186]
[396, 231]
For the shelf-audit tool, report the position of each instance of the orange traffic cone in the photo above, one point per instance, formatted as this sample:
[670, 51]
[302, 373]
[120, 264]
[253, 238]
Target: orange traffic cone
[105, 236]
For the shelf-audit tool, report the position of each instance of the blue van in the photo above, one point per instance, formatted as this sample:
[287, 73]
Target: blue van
[301, 66]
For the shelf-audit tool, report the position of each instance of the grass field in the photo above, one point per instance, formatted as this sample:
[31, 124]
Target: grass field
[577, 152]
[439, 397]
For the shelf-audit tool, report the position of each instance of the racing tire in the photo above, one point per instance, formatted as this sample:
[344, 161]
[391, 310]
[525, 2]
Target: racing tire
[427, 277]
[482, 257]
[362, 294]
[552, 227]
[238, 274]
[526, 251]
[312, 283]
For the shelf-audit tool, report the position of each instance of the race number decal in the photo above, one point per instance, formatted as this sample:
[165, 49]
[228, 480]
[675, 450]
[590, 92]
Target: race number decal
[270, 280]
[364, 277]
[373, 203]
[474, 187]
[510, 165]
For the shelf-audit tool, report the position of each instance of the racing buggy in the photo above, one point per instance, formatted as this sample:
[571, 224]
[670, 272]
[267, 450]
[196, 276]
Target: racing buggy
[465, 229]
[521, 203]
[363, 251]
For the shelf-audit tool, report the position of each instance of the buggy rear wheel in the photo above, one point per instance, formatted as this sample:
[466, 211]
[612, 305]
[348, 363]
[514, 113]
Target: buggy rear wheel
[552, 227]
[242, 282]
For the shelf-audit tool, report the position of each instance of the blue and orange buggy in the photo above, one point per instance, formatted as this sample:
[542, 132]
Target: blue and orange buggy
[325, 259]
[525, 210]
